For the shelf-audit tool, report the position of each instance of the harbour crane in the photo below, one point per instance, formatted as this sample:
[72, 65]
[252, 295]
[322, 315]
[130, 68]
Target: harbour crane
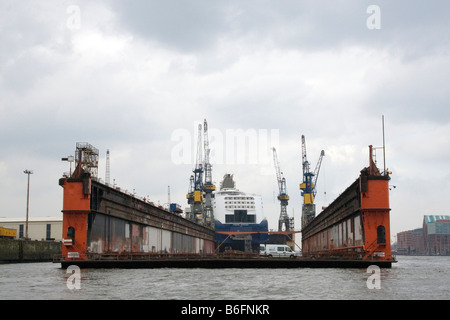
[308, 187]
[195, 193]
[283, 220]
[208, 186]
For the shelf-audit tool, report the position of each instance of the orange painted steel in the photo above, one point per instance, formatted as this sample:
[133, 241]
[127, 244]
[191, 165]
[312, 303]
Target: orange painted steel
[88, 205]
[76, 206]
[252, 232]
[235, 233]
[376, 219]
[356, 224]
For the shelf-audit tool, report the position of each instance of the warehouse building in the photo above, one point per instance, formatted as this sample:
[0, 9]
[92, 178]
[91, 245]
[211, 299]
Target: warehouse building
[39, 228]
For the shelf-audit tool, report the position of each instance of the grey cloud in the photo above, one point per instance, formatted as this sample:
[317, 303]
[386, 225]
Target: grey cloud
[304, 67]
[313, 25]
[180, 25]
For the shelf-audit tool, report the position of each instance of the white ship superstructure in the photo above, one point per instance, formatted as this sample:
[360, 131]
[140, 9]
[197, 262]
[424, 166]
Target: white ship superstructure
[238, 214]
[236, 207]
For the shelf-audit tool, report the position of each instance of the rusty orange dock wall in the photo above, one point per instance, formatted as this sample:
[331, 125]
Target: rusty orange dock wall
[76, 204]
[99, 219]
[356, 225]
[376, 218]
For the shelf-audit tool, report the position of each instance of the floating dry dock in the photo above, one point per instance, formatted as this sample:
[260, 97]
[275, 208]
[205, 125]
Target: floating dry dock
[104, 227]
[356, 225]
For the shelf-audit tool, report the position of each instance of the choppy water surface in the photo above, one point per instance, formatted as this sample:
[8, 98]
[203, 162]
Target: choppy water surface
[409, 278]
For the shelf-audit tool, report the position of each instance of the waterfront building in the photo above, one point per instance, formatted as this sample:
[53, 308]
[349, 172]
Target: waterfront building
[432, 239]
[411, 242]
[39, 228]
[437, 234]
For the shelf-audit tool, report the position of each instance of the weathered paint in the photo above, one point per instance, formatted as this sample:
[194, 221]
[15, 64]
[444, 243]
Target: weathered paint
[356, 224]
[375, 216]
[75, 212]
[98, 219]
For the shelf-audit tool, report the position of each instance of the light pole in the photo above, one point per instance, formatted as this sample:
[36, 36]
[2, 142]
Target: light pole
[70, 159]
[28, 172]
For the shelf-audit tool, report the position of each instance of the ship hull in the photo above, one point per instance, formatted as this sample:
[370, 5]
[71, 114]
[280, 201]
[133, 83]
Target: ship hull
[241, 237]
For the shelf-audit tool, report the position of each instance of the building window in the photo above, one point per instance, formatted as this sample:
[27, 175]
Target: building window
[20, 231]
[48, 234]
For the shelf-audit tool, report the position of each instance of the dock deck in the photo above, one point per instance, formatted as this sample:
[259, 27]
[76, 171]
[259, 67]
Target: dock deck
[211, 263]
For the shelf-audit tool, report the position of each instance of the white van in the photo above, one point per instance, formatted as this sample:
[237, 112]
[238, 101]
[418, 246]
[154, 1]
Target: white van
[277, 251]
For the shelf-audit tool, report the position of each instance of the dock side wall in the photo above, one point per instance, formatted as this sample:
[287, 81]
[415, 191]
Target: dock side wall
[355, 225]
[100, 219]
[108, 234]
[13, 250]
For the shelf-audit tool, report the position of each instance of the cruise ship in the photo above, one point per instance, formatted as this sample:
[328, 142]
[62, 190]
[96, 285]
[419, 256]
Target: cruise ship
[237, 211]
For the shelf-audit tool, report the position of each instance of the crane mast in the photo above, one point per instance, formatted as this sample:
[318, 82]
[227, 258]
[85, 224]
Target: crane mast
[316, 173]
[195, 193]
[284, 222]
[208, 186]
[308, 186]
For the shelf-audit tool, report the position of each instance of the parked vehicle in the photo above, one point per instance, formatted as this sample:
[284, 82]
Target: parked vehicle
[277, 251]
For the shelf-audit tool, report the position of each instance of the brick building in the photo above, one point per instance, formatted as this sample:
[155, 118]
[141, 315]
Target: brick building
[411, 242]
[432, 239]
[437, 235]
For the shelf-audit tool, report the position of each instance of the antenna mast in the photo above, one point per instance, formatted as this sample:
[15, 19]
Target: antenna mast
[107, 175]
[384, 148]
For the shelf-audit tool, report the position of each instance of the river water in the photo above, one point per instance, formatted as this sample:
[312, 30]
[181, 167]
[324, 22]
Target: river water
[410, 278]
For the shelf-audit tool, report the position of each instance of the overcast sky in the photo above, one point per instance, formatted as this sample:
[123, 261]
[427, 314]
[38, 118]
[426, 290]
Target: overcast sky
[137, 77]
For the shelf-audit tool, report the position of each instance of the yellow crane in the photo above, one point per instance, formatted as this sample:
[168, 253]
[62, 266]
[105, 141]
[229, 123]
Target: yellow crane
[308, 187]
[195, 193]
